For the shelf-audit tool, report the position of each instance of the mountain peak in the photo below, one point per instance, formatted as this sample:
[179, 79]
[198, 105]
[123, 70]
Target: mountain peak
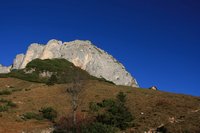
[82, 54]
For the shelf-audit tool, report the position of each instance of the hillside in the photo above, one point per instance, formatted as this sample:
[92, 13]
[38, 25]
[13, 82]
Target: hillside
[25, 92]
[179, 113]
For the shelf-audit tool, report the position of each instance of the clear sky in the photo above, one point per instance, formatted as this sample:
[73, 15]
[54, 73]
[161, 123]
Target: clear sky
[158, 41]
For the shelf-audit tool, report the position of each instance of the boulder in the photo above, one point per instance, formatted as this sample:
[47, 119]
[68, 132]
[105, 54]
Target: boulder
[153, 88]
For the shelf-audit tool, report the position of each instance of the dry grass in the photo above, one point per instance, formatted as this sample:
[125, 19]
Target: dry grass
[150, 108]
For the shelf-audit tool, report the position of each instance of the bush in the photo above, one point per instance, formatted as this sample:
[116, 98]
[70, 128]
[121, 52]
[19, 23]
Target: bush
[45, 113]
[109, 116]
[11, 104]
[94, 107]
[121, 97]
[52, 80]
[3, 108]
[33, 77]
[3, 100]
[97, 127]
[27, 89]
[5, 92]
[49, 113]
[115, 114]
[6, 105]
[32, 115]
[106, 103]
[16, 89]
[3, 75]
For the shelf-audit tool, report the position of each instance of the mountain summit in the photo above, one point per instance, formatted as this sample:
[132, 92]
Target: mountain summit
[82, 54]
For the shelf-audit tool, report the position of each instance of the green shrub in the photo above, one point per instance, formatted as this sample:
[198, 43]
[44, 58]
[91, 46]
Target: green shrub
[121, 97]
[11, 104]
[65, 71]
[117, 116]
[3, 108]
[97, 127]
[3, 100]
[45, 113]
[115, 113]
[5, 92]
[27, 89]
[16, 89]
[94, 107]
[4, 76]
[48, 113]
[9, 91]
[33, 77]
[107, 103]
[32, 115]
[52, 80]
[6, 105]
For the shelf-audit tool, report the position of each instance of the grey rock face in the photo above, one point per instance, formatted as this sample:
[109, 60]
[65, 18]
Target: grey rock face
[18, 60]
[4, 69]
[82, 54]
[34, 51]
[45, 74]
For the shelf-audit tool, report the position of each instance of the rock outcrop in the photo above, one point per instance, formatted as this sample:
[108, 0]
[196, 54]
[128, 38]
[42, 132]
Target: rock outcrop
[18, 61]
[82, 54]
[153, 88]
[4, 69]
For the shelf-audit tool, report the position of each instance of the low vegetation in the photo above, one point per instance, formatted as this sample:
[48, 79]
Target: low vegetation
[6, 104]
[9, 90]
[57, 71]
[5, 92]
[44, 113]
[108, 116]
[52, 80]
[48, 113]
[115, 113]
[97, 127]
[31, 115]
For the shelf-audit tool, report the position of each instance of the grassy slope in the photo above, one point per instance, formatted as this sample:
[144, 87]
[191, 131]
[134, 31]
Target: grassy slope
[150, 108]
[64, 70]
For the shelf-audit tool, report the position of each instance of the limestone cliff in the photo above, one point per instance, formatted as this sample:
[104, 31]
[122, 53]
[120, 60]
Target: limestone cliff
[4, 69]
[82, 54]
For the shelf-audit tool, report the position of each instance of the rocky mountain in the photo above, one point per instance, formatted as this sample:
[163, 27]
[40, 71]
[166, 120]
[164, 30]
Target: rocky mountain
[82, 54]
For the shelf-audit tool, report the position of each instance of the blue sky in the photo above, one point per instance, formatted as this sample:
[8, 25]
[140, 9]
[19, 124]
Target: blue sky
[158, 41]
